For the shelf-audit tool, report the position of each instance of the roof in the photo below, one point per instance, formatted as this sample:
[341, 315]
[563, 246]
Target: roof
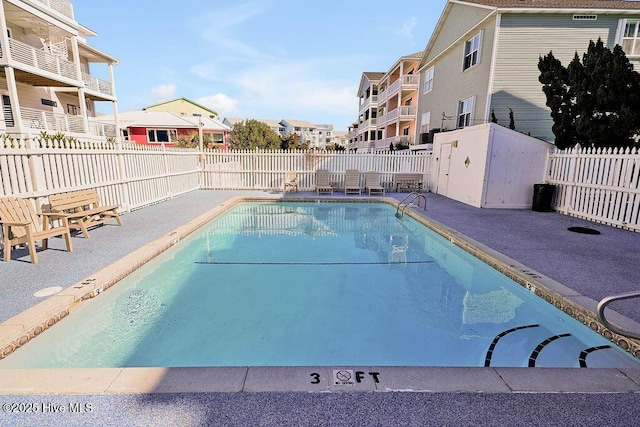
[185, 100]
[162, 119]
[558, 4]
[299, 123]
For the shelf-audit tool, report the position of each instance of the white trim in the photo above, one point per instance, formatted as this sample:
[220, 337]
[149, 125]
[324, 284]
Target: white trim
[433, 74]
[492, 68]
[622, 23]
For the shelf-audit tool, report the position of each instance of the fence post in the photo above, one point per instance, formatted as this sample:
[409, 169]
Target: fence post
[124, 182]
[571, 179]
[36, 167]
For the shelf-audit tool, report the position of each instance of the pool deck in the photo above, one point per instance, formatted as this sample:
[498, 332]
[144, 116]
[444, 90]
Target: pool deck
[583, 268]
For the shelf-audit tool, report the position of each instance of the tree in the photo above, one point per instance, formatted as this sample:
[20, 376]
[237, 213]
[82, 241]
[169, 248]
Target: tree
[593, 101]
[290, 142]
[250, 134]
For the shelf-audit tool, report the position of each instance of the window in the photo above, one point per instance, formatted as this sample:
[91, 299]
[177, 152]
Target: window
[630, 40]
[125, 134]
[465, 108]
[428, 80]
[425, 122]
[72, 110]
[471, 52]
[158, 136]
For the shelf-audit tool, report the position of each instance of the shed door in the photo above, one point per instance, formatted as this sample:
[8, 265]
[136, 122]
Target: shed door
[443, 169]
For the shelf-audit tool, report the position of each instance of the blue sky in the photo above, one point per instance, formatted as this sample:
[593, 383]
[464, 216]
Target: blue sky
[267, 59]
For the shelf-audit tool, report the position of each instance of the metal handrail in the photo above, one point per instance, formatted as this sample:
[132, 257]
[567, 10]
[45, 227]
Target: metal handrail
[605, 301]
[400, 210]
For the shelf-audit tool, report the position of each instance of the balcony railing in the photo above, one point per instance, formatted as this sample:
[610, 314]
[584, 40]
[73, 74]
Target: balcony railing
[371, 101]
[406, 81]
[97, 85]
[41, 59]
[51, 122]
[62, 6]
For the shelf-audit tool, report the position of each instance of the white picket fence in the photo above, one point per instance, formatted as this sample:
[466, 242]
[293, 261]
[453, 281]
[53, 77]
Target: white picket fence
[133, 176]
[601, 185]
[265, 170]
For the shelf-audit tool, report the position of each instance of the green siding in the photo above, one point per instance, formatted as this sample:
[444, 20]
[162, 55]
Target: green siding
[452, 85]
[523, 39]
[459, 20]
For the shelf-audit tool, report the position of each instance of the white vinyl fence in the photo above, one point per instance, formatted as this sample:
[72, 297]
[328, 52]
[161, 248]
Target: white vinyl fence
[601, 185]
[265, 170]
[130, 176]
[133, 176]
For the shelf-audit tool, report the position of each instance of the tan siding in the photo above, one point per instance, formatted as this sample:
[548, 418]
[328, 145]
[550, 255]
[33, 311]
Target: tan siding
[523, 39]
[459, 21]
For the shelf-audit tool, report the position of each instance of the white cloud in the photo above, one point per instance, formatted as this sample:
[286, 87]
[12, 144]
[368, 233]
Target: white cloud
[164, 92]
[406, 30]
[222, 104]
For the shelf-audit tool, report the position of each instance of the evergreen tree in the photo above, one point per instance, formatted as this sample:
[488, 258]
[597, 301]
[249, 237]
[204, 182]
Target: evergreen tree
[593, 101]
[250, 134]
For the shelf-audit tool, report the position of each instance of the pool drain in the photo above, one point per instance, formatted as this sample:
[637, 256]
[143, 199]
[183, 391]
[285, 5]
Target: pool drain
[583, 230]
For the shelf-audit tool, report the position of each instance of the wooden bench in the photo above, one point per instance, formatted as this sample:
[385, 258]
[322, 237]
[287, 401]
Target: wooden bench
[82, 209]
[408, 181]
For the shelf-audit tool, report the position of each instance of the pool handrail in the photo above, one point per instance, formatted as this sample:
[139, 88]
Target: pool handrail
[600, 313]
[402, 205]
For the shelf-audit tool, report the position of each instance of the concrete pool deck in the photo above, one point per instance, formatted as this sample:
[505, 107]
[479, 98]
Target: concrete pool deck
[590, 267]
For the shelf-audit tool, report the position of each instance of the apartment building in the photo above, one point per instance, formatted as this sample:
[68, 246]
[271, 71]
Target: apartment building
[367, 133]
[47, 83]
[397, 104]
[482, 58]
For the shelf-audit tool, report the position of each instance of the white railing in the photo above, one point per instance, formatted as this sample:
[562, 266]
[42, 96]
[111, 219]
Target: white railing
[406, 81]
[41, 59]
[49, 121]
[62, 6]
[97, 85]
[601, 185]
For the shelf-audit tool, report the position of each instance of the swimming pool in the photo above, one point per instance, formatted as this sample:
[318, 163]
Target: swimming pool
[317, 284]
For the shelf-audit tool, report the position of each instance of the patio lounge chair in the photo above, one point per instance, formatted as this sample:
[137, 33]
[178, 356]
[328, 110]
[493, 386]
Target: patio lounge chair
[290, 181]
[372, 183]
[352, 182]
[322, 182]
[21, 224]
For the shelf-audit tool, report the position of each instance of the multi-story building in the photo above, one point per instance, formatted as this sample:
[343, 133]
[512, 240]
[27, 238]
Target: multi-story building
[352, 135]
[274, 125]
[483, 58]
[308, 132]
[397, 104]
[47, 82]
[367, 130]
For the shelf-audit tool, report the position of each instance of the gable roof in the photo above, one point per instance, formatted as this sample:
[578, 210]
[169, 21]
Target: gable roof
[371, 76]
[185, 100]
[162, 120]
[299, 123]
[557, 4]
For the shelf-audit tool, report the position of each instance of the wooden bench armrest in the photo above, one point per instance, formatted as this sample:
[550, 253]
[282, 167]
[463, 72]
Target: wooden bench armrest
[15, 224]
[55, 214]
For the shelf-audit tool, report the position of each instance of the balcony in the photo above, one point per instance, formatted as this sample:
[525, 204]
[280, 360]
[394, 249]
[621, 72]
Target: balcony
[406, 81]
[395, 140]
[47, 121]
[97, 85]
[63, 7]
[370, 102]
[403, 112]
[42, 60]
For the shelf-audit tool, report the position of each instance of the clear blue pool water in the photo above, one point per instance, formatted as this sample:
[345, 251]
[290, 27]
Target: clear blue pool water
[317, 284]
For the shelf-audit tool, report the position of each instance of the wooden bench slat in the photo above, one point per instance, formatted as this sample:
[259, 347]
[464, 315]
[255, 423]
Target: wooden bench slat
[83, 210]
